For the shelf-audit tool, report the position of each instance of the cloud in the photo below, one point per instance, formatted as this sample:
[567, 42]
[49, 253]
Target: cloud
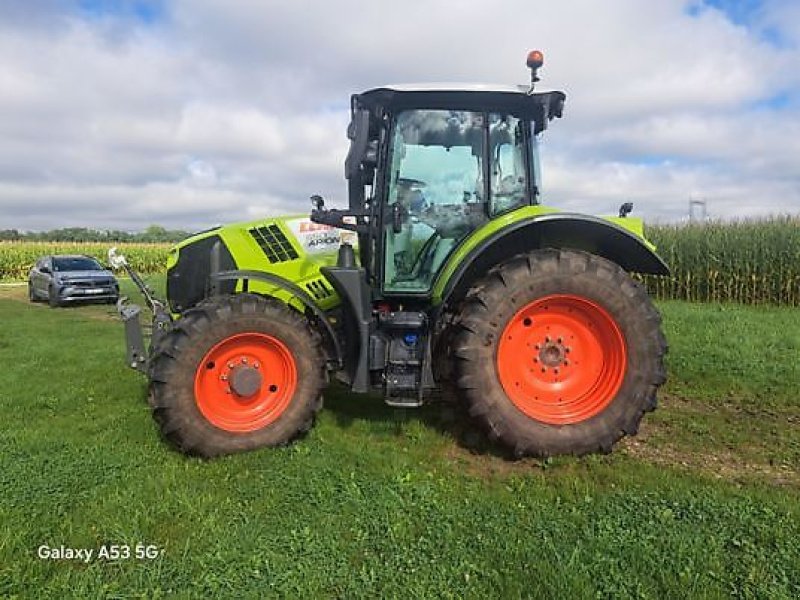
[200, 112]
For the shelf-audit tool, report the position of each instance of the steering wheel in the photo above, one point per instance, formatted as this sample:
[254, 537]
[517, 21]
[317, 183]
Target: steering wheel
[409, 182]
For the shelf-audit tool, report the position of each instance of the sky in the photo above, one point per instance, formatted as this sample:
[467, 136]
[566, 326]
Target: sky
[192, 113]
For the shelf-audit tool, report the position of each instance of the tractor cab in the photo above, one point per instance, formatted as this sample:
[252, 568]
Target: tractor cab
[430, 164]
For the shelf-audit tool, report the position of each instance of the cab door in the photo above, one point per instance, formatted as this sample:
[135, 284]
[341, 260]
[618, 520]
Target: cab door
[451, 171]
[435, 194]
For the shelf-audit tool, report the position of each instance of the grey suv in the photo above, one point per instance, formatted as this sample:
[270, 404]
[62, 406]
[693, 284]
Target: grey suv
[62, 279]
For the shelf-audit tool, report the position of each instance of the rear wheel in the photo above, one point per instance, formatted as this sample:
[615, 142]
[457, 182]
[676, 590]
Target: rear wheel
[236, 374]
[560, 352]
[32, 293]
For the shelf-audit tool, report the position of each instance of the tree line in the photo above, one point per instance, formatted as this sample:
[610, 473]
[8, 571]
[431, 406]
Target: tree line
[153, 234]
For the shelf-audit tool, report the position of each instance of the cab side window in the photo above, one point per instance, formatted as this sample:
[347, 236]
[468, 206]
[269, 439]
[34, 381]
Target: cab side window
[509, 187]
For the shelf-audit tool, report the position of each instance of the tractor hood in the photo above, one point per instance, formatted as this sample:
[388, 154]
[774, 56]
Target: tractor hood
[292, 248]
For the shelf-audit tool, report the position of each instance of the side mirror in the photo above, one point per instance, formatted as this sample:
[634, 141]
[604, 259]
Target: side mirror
[45, 270]
[626, 208]
[317, 202]
[358, 132]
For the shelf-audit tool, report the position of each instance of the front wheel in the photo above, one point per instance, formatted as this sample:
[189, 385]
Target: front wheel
[52, 297]
[560, 352]
[236, 374]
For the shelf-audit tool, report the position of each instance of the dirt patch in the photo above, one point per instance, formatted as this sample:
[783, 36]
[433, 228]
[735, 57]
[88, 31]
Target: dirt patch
[14, 291]
[719, 464]
[18, 292]
[475, 457]
[490, 466]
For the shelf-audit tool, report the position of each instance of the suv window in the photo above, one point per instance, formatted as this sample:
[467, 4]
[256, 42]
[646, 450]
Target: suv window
[76, 263]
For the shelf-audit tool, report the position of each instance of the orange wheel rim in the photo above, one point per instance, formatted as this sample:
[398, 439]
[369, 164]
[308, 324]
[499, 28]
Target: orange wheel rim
[245, 382]
[561, 359]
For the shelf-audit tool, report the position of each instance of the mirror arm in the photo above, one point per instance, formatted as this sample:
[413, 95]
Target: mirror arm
[351, 220]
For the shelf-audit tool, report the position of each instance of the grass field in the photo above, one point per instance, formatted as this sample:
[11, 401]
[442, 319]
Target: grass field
[377, 502]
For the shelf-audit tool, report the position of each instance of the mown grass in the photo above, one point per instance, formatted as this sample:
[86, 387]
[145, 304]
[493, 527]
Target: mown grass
[383, 503]
[721, 350]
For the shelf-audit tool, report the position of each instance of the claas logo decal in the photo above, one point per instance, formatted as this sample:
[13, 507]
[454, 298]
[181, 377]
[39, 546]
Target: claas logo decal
[307, 226]
[315, 237]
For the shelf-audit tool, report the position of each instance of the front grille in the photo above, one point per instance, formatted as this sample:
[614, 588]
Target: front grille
[90, 283]
[275, 245]
[188, 279]
[319, 289]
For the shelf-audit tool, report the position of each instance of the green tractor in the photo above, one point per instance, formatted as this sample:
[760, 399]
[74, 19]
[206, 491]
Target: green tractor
[445, 272]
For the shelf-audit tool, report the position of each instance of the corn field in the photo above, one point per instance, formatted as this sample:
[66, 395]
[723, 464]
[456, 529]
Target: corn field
[16, 258]
[750, 262]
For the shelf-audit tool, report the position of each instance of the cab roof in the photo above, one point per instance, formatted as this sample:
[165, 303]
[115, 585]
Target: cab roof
[443, 86]
[538, 106]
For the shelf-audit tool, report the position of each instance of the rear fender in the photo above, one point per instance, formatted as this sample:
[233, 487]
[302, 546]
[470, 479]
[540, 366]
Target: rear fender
[596, 235]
